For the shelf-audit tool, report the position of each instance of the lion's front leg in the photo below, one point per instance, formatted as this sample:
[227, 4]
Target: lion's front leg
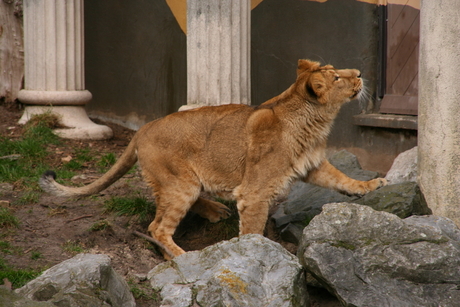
[326, 175]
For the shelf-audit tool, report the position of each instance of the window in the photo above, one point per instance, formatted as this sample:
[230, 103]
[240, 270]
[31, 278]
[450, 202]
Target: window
[399, 84]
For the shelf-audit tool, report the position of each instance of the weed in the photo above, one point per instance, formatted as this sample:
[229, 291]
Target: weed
[18, 277]
[78, 162]
[31, 152]
[140, 206]
[106, 161]
[141, 292]
[100, 225]
[5, 247]
[63, 174]
[58, 210]
[46, 119]
[83, 155]
[7, 219]
[73, 247]
[73, 165]
[36, 255]
[29, 197]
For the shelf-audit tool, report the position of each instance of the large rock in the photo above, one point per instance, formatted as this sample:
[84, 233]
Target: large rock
[84, 280]
[306, 200]
[404, 167]
[247, 271]
[348, 163]
[367, 257]
[403, 199]
[8, 299]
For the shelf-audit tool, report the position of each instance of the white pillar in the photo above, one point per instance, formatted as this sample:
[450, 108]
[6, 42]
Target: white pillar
[439, 107]
[218, 52]
[54, 67]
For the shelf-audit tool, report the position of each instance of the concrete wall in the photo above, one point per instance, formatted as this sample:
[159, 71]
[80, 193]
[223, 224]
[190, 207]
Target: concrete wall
[135, 60]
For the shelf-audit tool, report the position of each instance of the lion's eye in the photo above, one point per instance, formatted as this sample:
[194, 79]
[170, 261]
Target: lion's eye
[336, 78]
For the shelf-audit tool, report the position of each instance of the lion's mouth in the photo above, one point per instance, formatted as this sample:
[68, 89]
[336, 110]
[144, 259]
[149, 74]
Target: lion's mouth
[355, 94]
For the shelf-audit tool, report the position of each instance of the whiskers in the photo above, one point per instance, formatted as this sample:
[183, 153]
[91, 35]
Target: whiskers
[363, 95]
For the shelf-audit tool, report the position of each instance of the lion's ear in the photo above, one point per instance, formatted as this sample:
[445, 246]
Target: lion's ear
[307, 65]
[318, 87]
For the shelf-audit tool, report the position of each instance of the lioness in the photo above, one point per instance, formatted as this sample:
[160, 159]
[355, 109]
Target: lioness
[250, 154]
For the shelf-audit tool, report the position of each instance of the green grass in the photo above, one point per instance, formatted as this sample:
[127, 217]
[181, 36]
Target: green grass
[36, 255]
[137, 206]
[100, 225]
[31, 150]
[73, 247]
[29, 197]
[18, 277]
[81, 156]
[141, 291]
[106, 162]
[6, 248]
[7, 219]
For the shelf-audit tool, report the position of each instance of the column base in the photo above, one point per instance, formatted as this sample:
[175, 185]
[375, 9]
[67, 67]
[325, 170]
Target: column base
[78, 124]
[190, 107]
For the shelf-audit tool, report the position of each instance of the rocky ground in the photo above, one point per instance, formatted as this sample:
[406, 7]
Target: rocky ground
[55, 229]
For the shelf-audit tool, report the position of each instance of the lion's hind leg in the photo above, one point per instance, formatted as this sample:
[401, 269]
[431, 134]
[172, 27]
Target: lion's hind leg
[211, 210]
[172, 206]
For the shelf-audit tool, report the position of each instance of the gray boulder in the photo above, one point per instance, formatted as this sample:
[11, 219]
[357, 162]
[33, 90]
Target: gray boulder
[348, 163]
[306, 200]
[84, 280]
[8, 299]
[403, 199]
[366, 257]
[247, 271]
[404, 167]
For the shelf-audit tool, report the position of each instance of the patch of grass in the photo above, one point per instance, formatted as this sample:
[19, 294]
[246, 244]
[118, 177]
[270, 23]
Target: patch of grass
[36, 255]
[7, 219]
[73, 247]
[30, 151]
[46, 119]
[84, 155]
[106, 161]
[73, 165]
[100, 225]
[137, 206]
[81, 156]
[64, 174]
[29, 197]
[142, 292]
[5, 247]
[18, 277]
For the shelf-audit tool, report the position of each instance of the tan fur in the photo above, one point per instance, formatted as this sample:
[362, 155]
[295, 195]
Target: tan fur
[251, 154]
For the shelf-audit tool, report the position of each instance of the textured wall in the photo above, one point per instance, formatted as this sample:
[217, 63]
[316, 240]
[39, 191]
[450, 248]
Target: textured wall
[135, 60]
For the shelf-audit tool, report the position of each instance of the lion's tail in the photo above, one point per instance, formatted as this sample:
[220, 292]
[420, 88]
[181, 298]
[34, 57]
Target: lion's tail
[129, 157]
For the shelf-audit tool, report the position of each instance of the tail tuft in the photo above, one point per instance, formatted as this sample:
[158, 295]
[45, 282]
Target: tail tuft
[48, 184]
[49, 174]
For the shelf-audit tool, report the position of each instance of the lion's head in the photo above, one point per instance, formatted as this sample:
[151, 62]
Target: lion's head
[325, 84]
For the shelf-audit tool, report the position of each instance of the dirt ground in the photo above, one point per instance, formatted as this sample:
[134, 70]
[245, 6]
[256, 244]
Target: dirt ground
[55, 229]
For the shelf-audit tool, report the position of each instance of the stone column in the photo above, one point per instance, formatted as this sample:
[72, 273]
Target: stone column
[439, 107]
[54, 67]
[218, 52]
